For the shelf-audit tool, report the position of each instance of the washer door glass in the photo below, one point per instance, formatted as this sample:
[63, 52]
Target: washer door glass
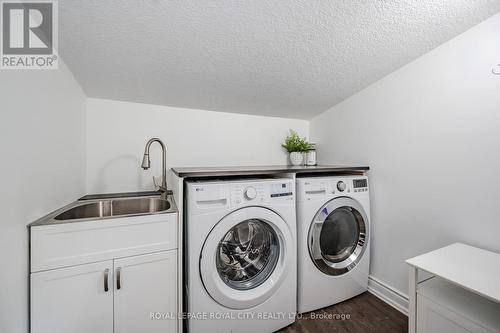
[340, 234]
[246, 257]
[247, 254]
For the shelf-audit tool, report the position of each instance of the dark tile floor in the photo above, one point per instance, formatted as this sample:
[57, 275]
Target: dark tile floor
[364, 313]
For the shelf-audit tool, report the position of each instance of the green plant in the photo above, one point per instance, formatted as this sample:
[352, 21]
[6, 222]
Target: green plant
[294, 143]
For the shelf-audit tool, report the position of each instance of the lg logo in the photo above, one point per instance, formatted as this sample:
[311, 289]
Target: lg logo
[29, 34]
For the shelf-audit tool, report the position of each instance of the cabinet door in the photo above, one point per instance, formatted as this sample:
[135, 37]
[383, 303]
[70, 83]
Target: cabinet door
[435, 318]
[77, 299]
[145, 298]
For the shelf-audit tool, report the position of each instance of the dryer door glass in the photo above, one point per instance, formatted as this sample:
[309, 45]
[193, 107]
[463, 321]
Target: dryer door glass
[247, 254]
[340, 234]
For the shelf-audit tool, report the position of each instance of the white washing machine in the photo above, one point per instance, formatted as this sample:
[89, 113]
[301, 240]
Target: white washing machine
[240, 255]
[333, 232]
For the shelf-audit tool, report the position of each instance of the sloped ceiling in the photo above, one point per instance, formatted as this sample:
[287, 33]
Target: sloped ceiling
[288, 58]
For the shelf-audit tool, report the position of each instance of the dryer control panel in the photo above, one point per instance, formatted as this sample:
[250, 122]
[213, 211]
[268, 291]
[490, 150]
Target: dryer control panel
[360, 184]
[310, 189]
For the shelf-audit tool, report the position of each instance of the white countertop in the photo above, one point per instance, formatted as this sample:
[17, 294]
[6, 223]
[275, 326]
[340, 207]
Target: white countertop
[474, 269]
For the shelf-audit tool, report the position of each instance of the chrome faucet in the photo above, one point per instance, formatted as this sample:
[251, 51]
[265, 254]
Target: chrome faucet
[146, 164]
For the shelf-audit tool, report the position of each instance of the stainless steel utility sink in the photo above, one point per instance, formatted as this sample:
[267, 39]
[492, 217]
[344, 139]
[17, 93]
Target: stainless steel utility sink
[117, 207]
[109, 208]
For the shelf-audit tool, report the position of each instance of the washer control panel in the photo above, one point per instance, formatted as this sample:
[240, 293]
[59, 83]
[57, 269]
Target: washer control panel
[244, 193]
[261, 192]
[283, 189]
[250, 193]
[341, 186]
[205, 196]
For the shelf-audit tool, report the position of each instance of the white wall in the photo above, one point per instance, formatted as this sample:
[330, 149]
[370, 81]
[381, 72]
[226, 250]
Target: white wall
[118, 131]
[42, 128]
[431, 134]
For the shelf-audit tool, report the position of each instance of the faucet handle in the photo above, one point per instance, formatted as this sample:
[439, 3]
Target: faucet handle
[157, 184]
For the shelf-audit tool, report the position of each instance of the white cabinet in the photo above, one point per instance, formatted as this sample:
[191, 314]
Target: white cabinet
[128, 295]
[462, 294]
[73, 300]
[113, 276]
[445, 308]
[75, 243]
[146, 293]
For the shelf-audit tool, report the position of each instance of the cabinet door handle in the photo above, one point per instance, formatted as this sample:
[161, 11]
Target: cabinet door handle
[119, 278]
[106, 280]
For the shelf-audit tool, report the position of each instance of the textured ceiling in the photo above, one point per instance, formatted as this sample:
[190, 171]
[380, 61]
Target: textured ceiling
[288, 58]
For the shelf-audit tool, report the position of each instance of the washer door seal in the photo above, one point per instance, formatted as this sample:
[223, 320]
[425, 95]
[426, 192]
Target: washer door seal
[338, 236]
[245, 257]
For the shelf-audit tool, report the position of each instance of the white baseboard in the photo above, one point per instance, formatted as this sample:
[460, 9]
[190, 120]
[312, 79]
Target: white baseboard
[388, 294]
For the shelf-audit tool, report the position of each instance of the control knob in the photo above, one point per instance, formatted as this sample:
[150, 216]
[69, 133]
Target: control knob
[341, 186]
[250, 193]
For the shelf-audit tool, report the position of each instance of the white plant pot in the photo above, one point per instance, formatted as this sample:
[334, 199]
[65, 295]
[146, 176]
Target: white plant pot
[296, 158]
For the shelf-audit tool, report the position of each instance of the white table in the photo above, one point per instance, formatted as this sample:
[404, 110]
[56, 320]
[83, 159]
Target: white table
[473, 269]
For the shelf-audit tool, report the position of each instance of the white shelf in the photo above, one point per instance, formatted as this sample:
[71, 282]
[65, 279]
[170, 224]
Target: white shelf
[472, 307]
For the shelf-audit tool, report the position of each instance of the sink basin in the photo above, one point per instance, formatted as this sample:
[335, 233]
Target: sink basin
[115, 208]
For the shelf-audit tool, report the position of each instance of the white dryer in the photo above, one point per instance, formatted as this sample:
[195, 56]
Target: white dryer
[240, 255]
[333, 231]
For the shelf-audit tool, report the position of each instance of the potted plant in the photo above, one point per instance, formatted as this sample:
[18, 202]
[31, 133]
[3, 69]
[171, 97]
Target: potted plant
[296, 146]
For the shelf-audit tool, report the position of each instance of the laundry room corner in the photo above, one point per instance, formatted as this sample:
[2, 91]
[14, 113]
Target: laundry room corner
[423, 130]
